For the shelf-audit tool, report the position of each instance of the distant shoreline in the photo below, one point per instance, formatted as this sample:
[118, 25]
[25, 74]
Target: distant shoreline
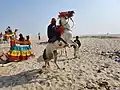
[100, 36]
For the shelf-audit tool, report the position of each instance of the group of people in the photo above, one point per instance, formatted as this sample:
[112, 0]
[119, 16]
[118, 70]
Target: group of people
[20, 49]
[7, 34]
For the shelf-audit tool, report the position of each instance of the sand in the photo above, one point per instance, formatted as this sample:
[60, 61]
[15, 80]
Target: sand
[90, 71]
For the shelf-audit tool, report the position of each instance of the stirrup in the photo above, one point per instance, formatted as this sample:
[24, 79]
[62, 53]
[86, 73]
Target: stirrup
[59, 43]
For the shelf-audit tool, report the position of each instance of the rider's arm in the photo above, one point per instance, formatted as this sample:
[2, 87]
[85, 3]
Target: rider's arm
[49, 32]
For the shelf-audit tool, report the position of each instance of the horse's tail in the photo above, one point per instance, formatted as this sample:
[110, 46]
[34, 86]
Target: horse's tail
[44, 54]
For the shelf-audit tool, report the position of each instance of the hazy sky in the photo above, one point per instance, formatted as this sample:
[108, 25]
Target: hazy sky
[33, 16]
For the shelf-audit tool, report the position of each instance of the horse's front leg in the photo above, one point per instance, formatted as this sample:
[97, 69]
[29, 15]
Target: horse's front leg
[75, 52]
[47, 65]
[55, 58]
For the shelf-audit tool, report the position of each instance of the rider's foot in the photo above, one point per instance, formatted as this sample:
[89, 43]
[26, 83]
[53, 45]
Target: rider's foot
[60, 43]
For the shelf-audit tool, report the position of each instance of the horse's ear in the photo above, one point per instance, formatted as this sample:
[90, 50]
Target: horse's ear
[73, 11]
[59, 15]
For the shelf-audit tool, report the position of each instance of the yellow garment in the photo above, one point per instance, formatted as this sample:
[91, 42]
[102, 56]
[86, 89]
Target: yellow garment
[8, 35]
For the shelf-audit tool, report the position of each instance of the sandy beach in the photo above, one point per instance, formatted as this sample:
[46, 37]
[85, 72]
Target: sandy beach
[90, 71]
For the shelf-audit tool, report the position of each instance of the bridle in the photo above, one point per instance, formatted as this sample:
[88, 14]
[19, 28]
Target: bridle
[68, 22]
[73, 22]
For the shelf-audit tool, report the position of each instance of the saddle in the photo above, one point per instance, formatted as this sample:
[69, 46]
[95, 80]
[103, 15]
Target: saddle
[51, 40]
[60, 43]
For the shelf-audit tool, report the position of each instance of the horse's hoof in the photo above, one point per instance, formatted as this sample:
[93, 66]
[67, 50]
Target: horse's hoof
[63, 68]
[75, 57]
[43, 66]
[40, 71]
[48, 66]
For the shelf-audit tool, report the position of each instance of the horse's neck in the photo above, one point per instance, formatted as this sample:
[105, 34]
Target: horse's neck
[67, 34]
[64, 23]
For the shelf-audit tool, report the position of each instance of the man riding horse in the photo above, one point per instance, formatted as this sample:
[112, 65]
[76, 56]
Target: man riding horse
[54, 32]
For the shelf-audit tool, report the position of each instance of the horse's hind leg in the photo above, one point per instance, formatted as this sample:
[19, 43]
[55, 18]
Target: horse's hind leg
[55, 58]
[45, 59]
[45, 65]
[48, 64]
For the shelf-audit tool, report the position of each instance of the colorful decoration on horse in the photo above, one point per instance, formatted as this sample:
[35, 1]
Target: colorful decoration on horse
[20, 52]
[60, 30]
[64, 14]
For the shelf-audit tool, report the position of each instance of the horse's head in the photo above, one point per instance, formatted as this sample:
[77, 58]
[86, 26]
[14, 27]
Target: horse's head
[66, 15]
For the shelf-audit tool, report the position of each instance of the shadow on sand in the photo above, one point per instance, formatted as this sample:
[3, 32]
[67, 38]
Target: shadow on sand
[66, 59]
[40, 59]
[19, 79]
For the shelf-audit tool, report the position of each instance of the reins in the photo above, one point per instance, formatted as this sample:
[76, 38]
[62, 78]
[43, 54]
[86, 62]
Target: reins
[67, 23]
[73, 22]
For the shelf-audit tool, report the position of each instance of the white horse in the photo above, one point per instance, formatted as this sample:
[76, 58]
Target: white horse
[50, 51]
